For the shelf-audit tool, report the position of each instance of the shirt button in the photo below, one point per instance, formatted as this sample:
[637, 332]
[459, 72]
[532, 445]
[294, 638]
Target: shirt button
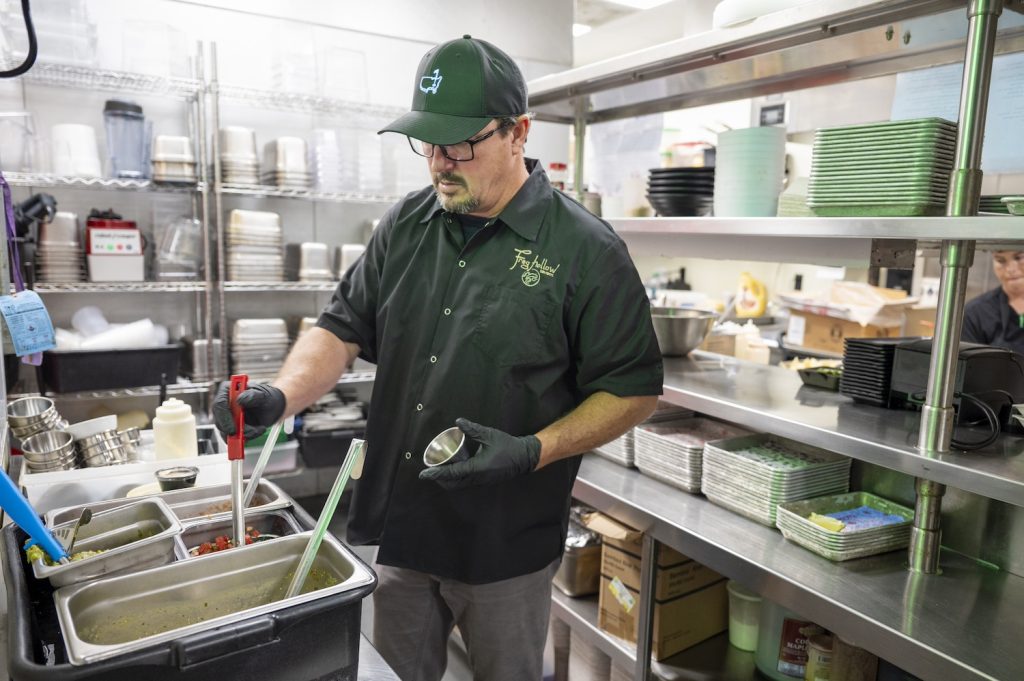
[462, 263]
[419, 407]
[447, 311]
[408, 455]
[433, 359]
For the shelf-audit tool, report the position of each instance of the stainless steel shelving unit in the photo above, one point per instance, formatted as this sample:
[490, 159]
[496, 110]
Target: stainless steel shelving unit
[121, 287]
[84, 77]
[773, 399]
[284, 286]
[301, 102]
[260, 190]
[954, 623]
[962, 624]
[173, 389]
[712, 659]
[115, 184]
[192, 92]
[824, 241]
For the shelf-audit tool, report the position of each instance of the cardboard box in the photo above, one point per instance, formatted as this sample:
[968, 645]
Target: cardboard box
[721, 343]
[691, 603]
[823, 332]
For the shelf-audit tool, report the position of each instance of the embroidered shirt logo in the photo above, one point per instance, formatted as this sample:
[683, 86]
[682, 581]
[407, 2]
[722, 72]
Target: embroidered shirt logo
[533, 268]
[429, 84]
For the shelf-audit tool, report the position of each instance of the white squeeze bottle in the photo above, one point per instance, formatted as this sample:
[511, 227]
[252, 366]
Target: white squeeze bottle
[174, 431]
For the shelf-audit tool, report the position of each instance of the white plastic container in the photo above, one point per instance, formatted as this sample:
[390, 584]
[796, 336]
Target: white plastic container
[744, 612]
[174, 431]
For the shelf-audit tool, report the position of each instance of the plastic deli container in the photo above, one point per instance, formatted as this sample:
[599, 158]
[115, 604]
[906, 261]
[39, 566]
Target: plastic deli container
[744, 614]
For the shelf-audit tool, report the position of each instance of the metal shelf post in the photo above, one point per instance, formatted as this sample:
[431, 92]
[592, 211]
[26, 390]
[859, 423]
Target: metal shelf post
[936, 428]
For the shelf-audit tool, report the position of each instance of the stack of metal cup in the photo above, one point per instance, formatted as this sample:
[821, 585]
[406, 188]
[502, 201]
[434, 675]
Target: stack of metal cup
[30, 416]
[103, 449]
[131, 438]
[51, 450]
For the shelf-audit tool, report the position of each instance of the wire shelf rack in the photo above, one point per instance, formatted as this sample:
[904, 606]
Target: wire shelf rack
[88, 78]
[103, 183]
[306, 102]
[307, 194]
[182, 387]
[120, 287]
[288, 286]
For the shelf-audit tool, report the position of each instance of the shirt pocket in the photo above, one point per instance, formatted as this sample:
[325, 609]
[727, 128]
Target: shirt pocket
[513, 327]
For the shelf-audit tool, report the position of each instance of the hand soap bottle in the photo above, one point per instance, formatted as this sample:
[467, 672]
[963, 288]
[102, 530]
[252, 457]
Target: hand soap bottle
[174, 431]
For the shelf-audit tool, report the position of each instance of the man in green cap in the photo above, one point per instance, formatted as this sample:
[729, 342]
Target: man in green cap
[491, 301]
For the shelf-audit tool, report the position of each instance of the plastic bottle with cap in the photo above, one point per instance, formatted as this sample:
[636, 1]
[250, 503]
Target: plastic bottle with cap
[174, 431]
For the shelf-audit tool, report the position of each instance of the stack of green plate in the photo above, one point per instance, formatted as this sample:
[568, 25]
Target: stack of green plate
[993, 204]
[889, 169]
[752, 475]
[871, 525]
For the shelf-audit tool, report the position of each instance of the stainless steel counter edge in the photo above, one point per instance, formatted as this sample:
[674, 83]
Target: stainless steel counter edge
[962, 624]
[773, 399]
[372, 666]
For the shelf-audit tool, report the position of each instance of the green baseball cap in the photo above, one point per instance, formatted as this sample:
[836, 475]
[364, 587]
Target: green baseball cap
[460, 86]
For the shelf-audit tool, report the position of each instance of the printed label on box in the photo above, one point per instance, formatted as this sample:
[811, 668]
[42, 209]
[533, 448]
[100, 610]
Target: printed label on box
[28, 323]
[795, 330]
[621, 594]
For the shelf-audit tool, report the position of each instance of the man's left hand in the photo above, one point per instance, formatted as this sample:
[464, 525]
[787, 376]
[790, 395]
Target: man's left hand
[500, 457]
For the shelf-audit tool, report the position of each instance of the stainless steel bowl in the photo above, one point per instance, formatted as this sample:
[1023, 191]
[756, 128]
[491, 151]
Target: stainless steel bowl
[109, 457]
[27, 410]
[46, 444]
[105, 437]
[680, 331]
[445, 447]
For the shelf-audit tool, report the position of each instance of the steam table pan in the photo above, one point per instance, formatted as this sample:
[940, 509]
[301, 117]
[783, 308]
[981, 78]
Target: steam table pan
[210, 502]
[269, 524]
[119, 615]
[132, 537]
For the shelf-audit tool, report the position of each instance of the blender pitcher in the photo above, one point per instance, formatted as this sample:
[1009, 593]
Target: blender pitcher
[127, 139]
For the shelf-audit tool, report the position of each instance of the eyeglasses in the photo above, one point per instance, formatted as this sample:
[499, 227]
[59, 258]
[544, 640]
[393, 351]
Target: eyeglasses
[463, 151]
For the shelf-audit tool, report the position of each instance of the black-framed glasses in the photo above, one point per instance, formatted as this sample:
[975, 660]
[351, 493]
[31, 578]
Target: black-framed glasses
[463, 151]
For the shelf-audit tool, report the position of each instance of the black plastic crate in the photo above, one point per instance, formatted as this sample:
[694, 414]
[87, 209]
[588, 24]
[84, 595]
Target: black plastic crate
[67, 371]
[314, 641]
[326, 447]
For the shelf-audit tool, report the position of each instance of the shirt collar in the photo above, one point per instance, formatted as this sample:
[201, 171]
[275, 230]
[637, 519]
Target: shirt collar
[525, 212]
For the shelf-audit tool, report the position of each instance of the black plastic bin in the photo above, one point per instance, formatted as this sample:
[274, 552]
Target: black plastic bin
[314, 641]
[326, 447]
[67, 371]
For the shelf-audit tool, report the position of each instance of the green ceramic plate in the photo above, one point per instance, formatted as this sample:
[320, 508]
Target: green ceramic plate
[893, 125]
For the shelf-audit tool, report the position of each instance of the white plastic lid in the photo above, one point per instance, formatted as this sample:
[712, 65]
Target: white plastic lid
[174, 409]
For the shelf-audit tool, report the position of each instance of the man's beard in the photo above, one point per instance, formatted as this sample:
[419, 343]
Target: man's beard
[465, 204]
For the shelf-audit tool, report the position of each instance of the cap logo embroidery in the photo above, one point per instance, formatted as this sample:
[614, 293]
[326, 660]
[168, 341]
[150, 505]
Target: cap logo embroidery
[532, 269]
[429, 84]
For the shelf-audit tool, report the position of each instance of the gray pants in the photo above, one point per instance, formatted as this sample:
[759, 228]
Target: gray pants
[504, 624]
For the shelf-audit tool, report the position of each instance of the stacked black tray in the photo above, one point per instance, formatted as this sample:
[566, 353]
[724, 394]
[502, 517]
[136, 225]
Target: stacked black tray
[681, 192]
[867, 369]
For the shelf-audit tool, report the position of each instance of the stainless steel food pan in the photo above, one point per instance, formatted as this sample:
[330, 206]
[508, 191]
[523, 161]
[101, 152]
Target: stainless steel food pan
[132, 537]
[110, 617]
[187, 504]
[271, 523]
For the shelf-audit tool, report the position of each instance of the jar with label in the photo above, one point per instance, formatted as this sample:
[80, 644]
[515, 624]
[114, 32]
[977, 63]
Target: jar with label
[819, 658]
[782, 642]
[558, 175]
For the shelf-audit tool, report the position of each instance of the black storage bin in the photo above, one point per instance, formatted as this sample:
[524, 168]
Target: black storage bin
[314, 641]
[70, 371]
[326, 447]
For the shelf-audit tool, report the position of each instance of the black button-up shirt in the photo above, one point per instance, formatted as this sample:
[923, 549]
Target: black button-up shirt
[540, 309]
[989, 320]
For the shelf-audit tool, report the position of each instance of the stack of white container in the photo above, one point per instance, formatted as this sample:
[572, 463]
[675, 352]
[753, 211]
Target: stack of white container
[173, 160]
[59, 254]
[258, 347]
[285, 164]
[621, 450]
[255, 246]
[332, 172]
[238, 161]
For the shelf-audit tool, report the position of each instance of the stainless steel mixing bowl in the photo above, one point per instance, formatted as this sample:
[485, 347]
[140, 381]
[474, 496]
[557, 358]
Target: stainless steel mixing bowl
[680, 331]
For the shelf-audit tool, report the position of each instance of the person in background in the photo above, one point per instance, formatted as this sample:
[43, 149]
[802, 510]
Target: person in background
[490, 301]
[997, 317]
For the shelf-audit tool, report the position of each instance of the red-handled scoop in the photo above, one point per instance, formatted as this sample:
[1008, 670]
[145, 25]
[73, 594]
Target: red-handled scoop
[236, 454]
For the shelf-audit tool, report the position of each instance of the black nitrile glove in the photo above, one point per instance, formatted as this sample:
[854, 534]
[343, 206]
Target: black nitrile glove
[500, 457]
[261, 404]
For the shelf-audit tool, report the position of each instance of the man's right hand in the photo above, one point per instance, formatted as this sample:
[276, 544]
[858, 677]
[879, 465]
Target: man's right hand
[262, 405]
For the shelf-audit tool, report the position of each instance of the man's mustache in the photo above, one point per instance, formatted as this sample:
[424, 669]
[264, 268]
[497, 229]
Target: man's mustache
[449, 177]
